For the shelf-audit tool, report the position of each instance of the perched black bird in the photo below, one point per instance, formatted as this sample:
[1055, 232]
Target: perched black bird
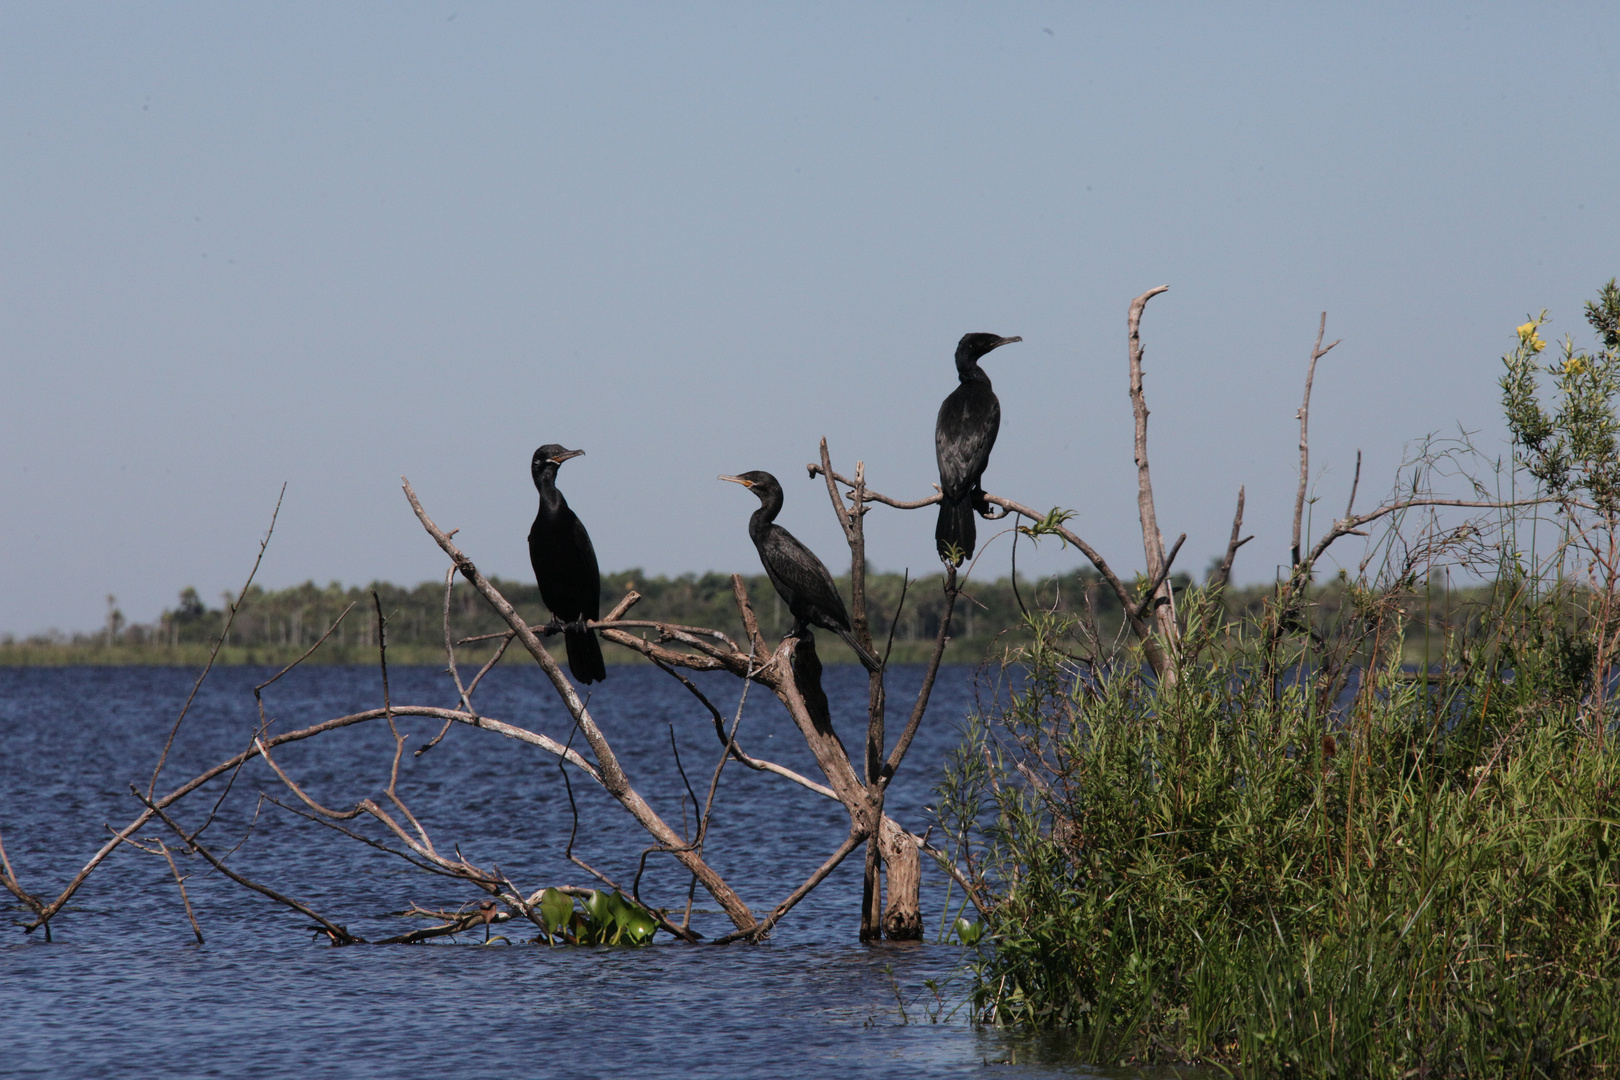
[800, 578]
[963, 435]
[565, 566]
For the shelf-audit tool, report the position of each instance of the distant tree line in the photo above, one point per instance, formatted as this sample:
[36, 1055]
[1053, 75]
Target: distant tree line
[274, 626]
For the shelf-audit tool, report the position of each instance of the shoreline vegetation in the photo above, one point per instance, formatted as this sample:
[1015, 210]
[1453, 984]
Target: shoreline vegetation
[275, 627]
[1289, 854]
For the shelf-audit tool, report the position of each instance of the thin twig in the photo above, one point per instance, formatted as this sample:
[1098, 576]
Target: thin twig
[1164, 572]
[763, 930]
[224, 633]
[307, 652]
[1223, 575]
[1350, 505]
[904, 742]
[184, 899]
[337, 934]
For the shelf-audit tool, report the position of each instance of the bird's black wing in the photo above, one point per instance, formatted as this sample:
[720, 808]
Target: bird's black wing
[803, 580]
[969, 420]
[564, 562]
[590, 576]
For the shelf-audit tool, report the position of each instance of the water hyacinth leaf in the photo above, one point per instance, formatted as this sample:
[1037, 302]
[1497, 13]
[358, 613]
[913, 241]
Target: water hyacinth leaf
[635, 922]
[599, 908]
[555, 907]
[623, 910]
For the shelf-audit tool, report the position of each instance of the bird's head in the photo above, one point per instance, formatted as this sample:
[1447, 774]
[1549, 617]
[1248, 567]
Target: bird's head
[760, 483]
[973, 346]
[551, 454]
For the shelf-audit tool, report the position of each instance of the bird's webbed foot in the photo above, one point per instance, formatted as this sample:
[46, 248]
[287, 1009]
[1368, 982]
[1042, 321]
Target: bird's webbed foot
[555, 626]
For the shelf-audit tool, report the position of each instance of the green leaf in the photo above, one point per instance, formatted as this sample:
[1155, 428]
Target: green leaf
[969, 933]
[555, 907]
[599, 908]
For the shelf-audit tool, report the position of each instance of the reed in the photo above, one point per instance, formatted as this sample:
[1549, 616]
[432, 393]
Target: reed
[1419, 880]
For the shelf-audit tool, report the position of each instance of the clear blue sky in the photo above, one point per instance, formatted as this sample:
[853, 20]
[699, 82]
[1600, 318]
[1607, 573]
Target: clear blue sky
[330, 244]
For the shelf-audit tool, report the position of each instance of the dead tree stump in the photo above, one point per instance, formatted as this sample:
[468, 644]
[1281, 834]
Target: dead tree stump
[902, 873]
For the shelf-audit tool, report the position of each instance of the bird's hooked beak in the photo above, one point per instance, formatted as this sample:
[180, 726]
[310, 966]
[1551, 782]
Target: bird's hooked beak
[558, 459]
[1006, 341]
[739, 480]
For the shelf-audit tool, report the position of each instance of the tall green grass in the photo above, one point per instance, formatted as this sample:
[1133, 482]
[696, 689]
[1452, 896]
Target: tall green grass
[1418, 878]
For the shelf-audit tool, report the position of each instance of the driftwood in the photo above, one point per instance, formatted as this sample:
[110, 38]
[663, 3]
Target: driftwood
[790, 671]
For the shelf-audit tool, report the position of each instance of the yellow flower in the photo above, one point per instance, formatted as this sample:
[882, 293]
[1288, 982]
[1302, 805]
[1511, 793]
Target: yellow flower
[1574, 366]
[1531, 339]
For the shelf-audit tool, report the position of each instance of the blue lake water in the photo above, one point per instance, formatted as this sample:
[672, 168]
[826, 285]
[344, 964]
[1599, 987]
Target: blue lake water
[123, 990]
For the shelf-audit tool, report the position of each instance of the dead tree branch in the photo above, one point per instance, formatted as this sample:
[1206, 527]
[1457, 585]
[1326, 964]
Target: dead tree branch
[611, 774]
[8, 878]
[1223, 574]
[1317, 352]
[1151, 648]
[1163, 601]
[764, 928]
[337, 934]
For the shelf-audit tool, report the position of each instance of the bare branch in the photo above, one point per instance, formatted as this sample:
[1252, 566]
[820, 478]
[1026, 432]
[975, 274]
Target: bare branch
[844, 519]
[1350, 505]
[1152, 595]
[915, 721]
[1151, 647]
[1317, 352]
[1348, 526]
[974, 895]
[1143, 631]
[872, 496]
[735, 749]
[161, 849]
[338, 935]
[511, 731]
[1152, 539]
[612, 776]
[181, 882]
[745, 610]
[230, 617]
[484, 914]
[1223, 575]
[13, 886]
[763, 930]
[309, 651]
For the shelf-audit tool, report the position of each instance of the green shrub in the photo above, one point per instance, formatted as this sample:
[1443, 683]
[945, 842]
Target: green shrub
[1420, 883]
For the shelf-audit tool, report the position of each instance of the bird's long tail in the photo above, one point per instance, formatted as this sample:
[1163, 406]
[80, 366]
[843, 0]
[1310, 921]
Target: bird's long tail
[868, 661]
[585, 655]
[955, 528]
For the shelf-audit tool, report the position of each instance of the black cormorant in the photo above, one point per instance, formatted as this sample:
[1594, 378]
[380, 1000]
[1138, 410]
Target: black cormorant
[800, 578]
[963, 435]
[565, 566]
